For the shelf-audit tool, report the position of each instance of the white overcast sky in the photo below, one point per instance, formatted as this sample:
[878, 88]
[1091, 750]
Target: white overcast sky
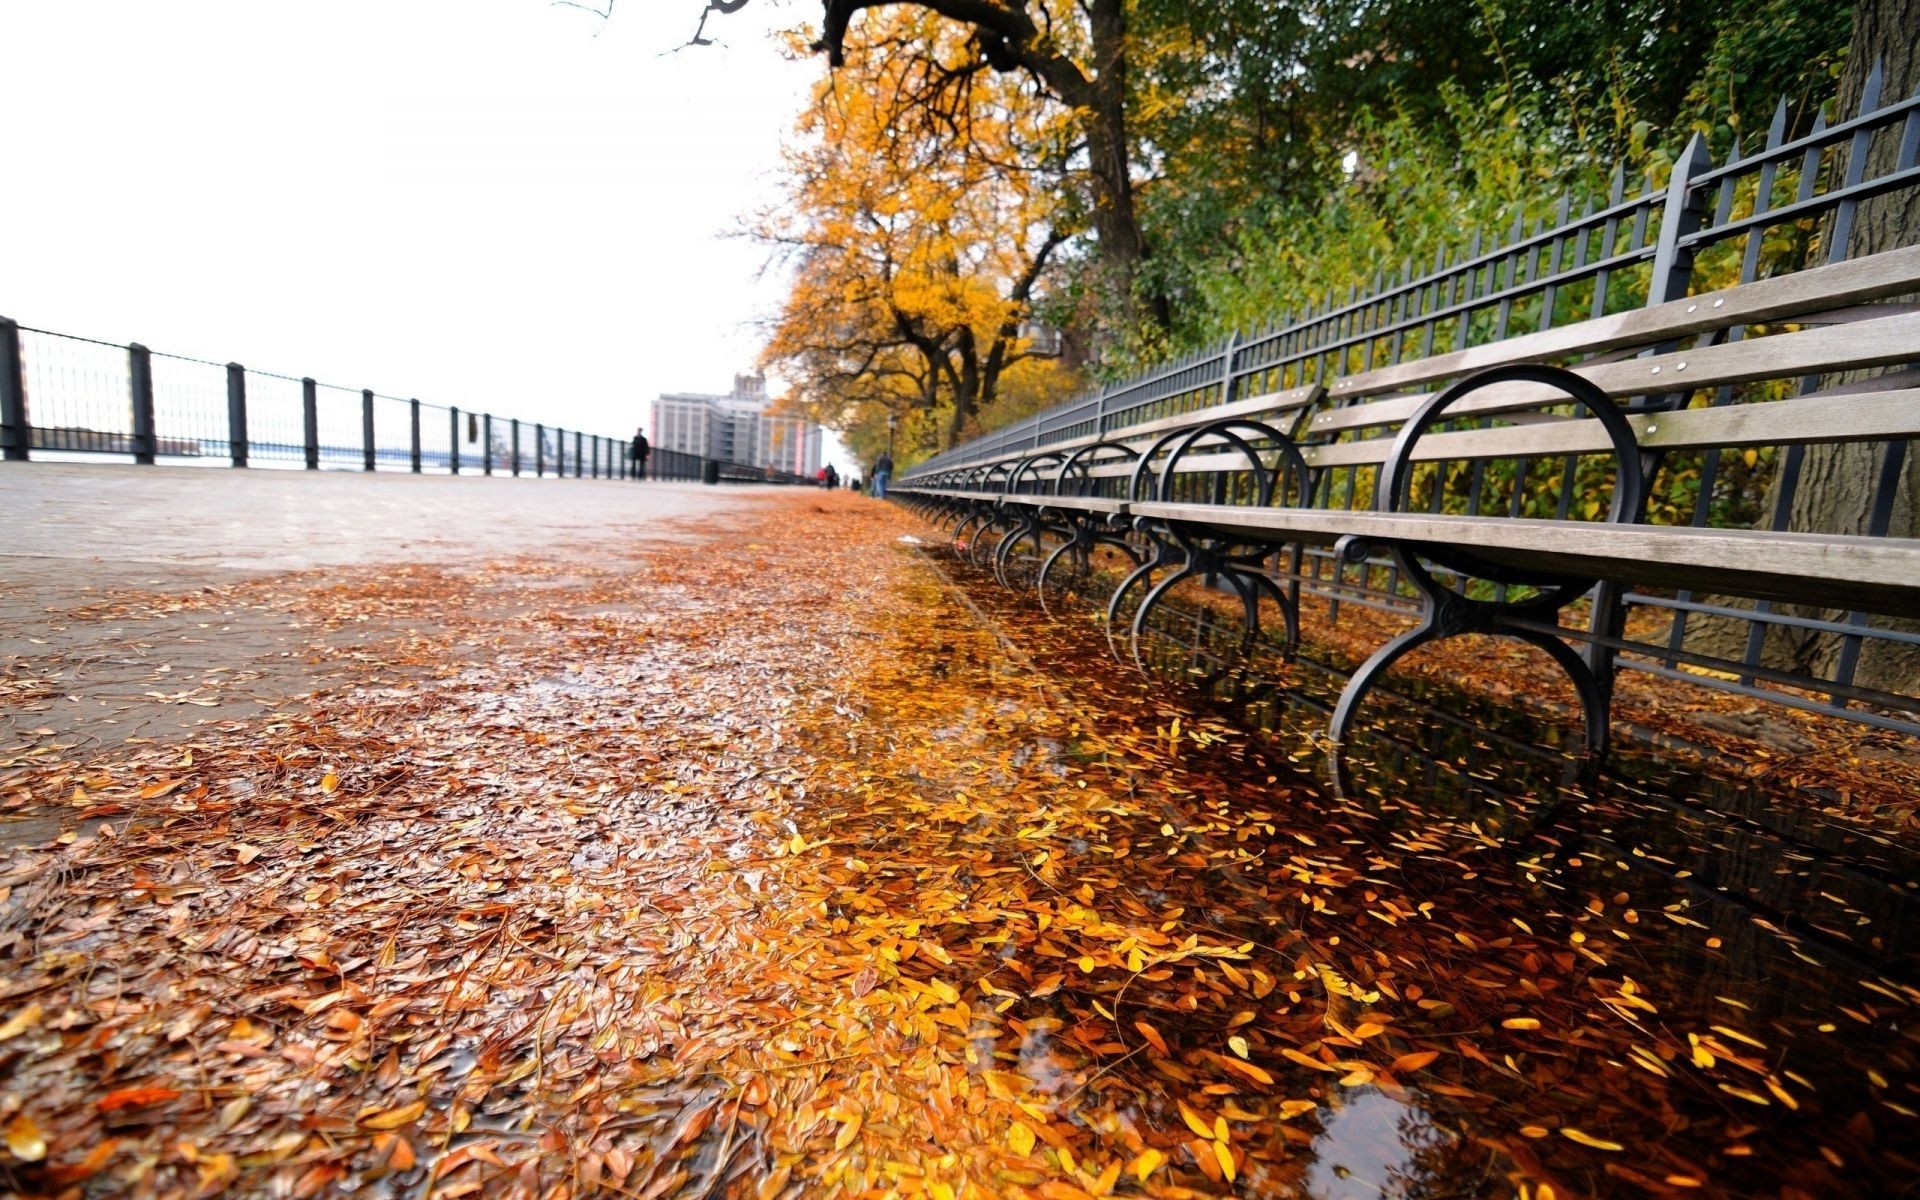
[506, 205]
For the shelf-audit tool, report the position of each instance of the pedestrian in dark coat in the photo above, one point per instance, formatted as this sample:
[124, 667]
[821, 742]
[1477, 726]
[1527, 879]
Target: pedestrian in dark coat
[640, 451]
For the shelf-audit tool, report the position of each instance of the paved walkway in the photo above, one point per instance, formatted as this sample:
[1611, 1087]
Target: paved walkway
[144, 602]
[276, 520]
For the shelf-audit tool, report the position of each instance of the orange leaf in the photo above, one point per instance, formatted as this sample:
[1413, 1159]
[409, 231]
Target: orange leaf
[136, 1097]
[848, 1132]
[1415, 1061]
[1153, 1038]
[394, 1118]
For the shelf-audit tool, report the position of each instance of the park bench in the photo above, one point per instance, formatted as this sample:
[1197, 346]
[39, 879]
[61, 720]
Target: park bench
[1388, 468]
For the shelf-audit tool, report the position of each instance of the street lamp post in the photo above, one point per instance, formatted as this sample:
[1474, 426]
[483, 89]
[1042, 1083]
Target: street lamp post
[889, 435]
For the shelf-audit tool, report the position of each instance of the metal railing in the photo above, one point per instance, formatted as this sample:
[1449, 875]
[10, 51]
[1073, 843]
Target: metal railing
[1780, 203]
[67, 395]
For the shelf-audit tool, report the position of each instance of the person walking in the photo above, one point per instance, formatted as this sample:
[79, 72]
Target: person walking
[882, 475]
[833, 478]
[640, 451]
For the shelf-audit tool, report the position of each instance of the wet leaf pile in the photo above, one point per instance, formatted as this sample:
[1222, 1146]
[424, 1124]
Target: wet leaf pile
[770, 865]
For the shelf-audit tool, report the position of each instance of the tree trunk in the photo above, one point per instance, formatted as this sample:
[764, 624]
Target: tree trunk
[1123, 246]
[1837, 484]
[966, 386]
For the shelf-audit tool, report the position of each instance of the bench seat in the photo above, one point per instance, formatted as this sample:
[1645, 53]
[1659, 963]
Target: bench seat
[1872, 574]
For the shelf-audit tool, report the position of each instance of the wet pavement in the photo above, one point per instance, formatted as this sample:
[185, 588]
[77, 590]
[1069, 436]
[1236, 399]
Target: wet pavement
[1659, 979]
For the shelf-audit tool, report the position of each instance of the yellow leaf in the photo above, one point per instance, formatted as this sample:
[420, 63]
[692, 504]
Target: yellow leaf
[849, 1131]
[1520, 1023]
[1367, 1029]
[394, 1118]
[1224, 1153]
[1147, 1163]
[24, 1139]
[329, 783]
[1238, 1044]
[1194, 1120]
[1289, 1109]
[1020, 1137]
[1587, 1139]
[796, 844]
[21, 1021]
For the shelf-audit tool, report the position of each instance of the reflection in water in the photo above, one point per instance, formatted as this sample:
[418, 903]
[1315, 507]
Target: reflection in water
[1656, 980]
[1372, 1146]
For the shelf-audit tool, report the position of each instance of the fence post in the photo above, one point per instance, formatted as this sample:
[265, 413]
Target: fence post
[310, 420]
[367, 443]
[140, 383]
[1681, 213]
[486, 443]
[516, 446]
[16, 434]
[237, 414]
[560, 453]
[413, 412]
[1680, 216]
[596, 455]
[539, 450]
[578, 468]
[453, 440]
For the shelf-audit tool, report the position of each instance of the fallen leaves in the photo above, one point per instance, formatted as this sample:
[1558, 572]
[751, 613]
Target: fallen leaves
[721, 879]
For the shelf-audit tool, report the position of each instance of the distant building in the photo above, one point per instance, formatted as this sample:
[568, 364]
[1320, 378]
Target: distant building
[737, 427]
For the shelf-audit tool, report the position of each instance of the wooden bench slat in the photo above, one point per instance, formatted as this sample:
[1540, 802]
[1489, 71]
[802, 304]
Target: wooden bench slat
[1852, 346]
[1870, 574]
[1863, 416]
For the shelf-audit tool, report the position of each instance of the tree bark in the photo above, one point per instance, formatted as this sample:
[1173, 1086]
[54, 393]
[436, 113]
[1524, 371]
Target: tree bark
[1837, 484]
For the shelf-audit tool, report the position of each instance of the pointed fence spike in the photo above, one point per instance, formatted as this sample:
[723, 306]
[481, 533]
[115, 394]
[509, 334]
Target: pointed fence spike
[1870, 93]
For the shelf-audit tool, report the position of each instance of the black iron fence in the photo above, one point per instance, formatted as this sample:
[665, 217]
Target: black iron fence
[1780, 203]
[69, 395]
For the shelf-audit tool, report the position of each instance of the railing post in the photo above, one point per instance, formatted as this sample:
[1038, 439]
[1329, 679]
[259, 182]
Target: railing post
[560, 453]
[237, 414]
[368, 446]
[579, 469]
[310, 420]
[539, 450]
[596, 455]
[486, 443]
[453, 440]
[516, 446]
[1672, 278]
[16, 433]
[140, 383]
[1680, 216]
[413, 410]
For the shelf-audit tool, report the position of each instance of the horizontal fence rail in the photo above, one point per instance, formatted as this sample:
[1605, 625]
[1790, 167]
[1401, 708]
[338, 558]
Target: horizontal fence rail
[67, 395]
[1783, 202]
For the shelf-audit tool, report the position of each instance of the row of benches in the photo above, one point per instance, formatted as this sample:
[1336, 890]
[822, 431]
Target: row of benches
[1393, 465]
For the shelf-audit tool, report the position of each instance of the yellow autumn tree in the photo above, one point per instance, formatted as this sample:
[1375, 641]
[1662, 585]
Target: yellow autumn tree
[923, 211]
